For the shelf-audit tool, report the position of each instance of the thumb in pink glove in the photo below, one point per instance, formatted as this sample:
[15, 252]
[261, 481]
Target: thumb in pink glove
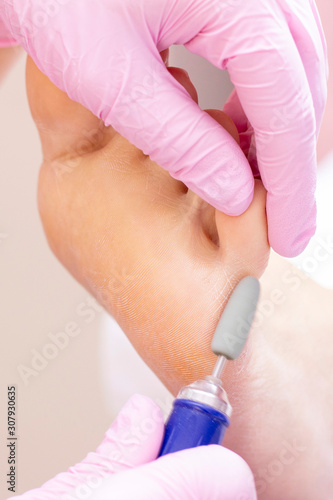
[124, 466]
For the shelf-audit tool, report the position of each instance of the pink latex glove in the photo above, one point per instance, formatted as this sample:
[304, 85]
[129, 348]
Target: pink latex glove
[6, 38]
[105, 55]
[123, 467]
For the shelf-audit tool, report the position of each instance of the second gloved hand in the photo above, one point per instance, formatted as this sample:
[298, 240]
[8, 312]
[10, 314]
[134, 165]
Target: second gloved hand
[105, 55]
[124, 466]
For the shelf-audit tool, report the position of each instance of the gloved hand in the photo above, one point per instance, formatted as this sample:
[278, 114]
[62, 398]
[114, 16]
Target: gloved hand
[105, 55]
[122, 468]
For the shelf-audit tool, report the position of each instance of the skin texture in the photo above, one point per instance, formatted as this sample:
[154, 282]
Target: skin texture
[163, 263]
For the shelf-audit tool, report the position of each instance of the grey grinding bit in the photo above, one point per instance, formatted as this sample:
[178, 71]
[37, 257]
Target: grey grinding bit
[235, 323]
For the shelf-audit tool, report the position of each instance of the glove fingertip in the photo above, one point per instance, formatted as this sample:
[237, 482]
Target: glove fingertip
[239, 205]
[292, 248]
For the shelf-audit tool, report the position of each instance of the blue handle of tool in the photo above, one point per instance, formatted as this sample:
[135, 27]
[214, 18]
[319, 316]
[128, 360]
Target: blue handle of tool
[192, 424]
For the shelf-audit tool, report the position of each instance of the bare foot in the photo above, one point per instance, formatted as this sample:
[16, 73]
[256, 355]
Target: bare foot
[164, 263]
[161, 260]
